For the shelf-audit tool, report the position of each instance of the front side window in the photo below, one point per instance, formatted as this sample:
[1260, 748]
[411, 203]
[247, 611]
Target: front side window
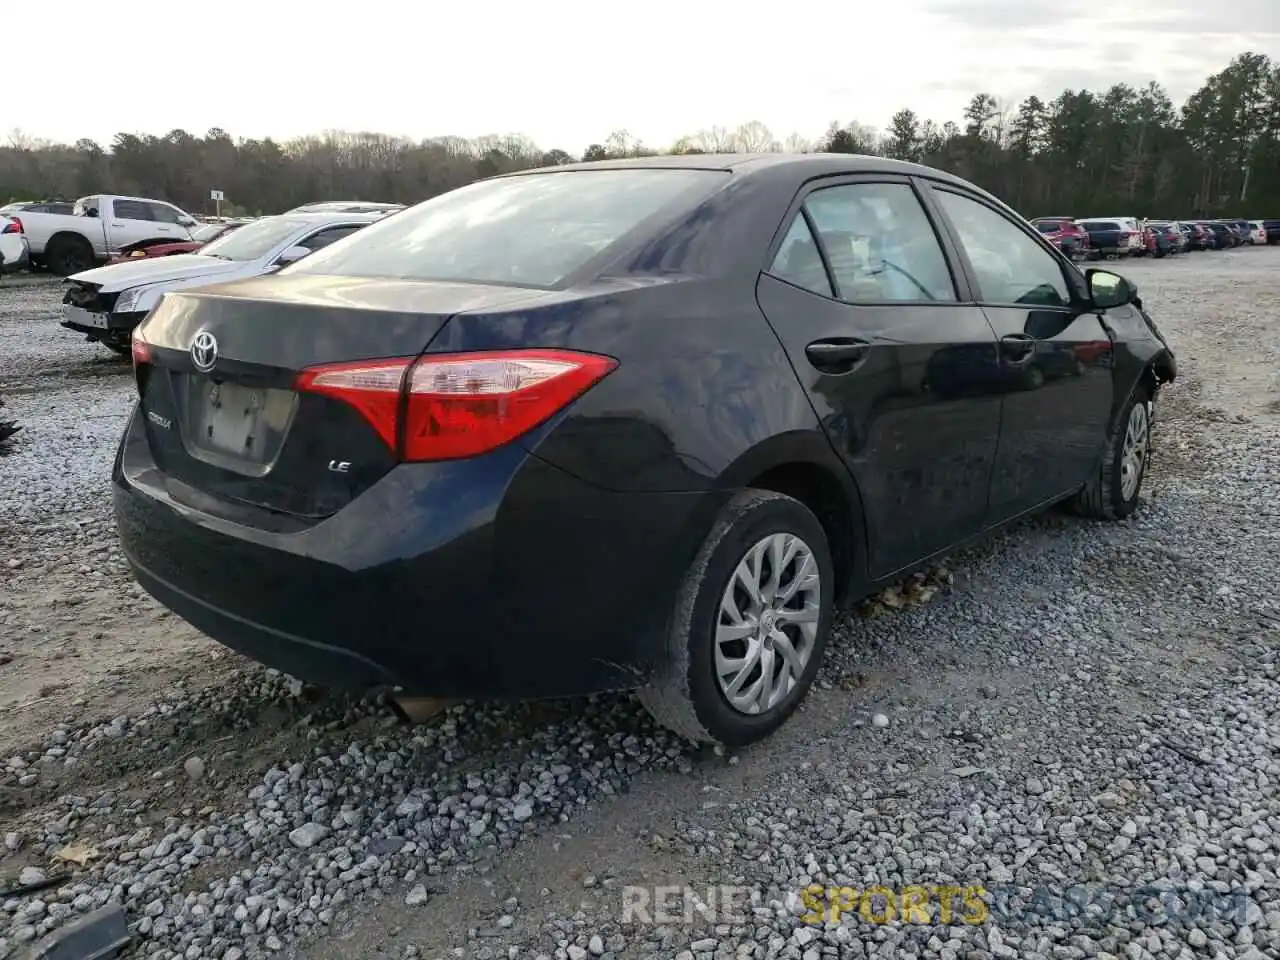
[880, 244]
[1010, 266]
[527, 230]
[325, 237]
[163, 213]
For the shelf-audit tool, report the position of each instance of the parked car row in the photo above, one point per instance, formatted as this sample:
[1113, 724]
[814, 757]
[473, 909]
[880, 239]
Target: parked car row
[1095, 238]
[67, 237]
[106, 303]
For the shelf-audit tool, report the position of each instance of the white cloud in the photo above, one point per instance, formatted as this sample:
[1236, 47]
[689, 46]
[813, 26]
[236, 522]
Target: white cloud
[567, 72]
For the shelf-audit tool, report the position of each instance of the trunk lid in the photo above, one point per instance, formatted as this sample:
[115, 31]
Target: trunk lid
[217, 398]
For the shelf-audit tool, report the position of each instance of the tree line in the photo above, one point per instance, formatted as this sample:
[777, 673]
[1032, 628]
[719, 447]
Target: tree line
[1120, 150]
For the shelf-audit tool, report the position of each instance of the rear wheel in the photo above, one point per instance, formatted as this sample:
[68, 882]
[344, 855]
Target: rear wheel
[750, 624]
[1113, 492]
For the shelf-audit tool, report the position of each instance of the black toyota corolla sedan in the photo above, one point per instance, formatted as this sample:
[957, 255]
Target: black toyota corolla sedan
[627, 425]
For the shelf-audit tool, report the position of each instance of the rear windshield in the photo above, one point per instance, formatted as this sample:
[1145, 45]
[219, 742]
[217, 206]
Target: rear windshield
[1048, 227]
[532, 230]
[1099, 225]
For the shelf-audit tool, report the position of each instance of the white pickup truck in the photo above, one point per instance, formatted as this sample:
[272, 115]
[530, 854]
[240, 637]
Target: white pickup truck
[97, 228]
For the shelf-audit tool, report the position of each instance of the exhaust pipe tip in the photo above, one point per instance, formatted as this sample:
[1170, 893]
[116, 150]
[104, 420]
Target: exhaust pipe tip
[412, 711]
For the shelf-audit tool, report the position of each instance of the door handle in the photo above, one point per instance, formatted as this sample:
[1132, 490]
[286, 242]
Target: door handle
[837, 354]
[1018, 347]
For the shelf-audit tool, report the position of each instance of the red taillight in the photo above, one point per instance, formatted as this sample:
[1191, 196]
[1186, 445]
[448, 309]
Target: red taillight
[140, 349]
[458, 405]
[13, 226]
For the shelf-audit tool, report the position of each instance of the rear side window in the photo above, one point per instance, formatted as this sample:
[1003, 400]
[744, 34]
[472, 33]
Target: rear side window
[798, 261]
[880, 244]
[532, 230]
[1048, 227]
[1010, 266]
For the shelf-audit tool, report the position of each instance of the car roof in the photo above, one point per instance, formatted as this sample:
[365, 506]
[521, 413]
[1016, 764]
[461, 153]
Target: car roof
[331, 216]
[801, 165]
[340, 206]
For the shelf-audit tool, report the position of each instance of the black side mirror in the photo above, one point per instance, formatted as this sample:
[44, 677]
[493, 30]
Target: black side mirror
[1107, 289]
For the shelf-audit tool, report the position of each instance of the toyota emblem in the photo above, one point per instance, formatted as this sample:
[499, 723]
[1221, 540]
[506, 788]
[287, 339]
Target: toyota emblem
[204, 351]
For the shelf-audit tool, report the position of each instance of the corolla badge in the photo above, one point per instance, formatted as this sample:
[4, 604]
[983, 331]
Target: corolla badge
[204, 351]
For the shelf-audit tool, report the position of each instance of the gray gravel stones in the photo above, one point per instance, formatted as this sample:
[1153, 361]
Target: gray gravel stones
[71, 398]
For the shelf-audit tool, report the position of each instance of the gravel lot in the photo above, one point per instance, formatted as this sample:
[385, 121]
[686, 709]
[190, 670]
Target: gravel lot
[1083, 711]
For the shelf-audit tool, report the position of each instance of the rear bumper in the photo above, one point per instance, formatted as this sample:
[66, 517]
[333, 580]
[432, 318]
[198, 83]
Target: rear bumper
[497, 577]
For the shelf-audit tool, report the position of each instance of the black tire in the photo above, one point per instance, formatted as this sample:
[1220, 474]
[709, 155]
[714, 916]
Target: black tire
[684, 694]
[1105, 498]
[66, 255]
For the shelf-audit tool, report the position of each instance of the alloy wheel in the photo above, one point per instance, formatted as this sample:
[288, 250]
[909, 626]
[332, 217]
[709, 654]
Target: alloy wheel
[1133, 457]
[767, 624]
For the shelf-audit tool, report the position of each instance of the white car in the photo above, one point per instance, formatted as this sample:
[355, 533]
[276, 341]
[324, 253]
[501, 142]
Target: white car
[1257, 233]
[14, 253]
[106, 303]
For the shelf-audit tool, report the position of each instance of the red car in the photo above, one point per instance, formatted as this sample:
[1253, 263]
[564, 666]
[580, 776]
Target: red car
[202, 234]
[1065, 234]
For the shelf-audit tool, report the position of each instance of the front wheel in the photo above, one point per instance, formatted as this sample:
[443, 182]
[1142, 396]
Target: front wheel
[750, 624]
[1113, 493]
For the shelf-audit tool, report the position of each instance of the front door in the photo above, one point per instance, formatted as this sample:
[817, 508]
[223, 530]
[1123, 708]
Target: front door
[1055, 356]
[133, 220]
[902, 372]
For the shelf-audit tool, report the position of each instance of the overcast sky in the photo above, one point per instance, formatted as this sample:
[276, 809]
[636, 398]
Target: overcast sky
[567, 72]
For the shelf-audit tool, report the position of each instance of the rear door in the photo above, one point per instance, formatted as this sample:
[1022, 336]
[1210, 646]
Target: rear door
[1055, 357]
[901, 370]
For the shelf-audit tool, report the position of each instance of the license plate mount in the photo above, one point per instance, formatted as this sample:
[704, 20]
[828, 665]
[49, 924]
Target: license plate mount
[229, 419]
[236, 426]
[84, 318]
